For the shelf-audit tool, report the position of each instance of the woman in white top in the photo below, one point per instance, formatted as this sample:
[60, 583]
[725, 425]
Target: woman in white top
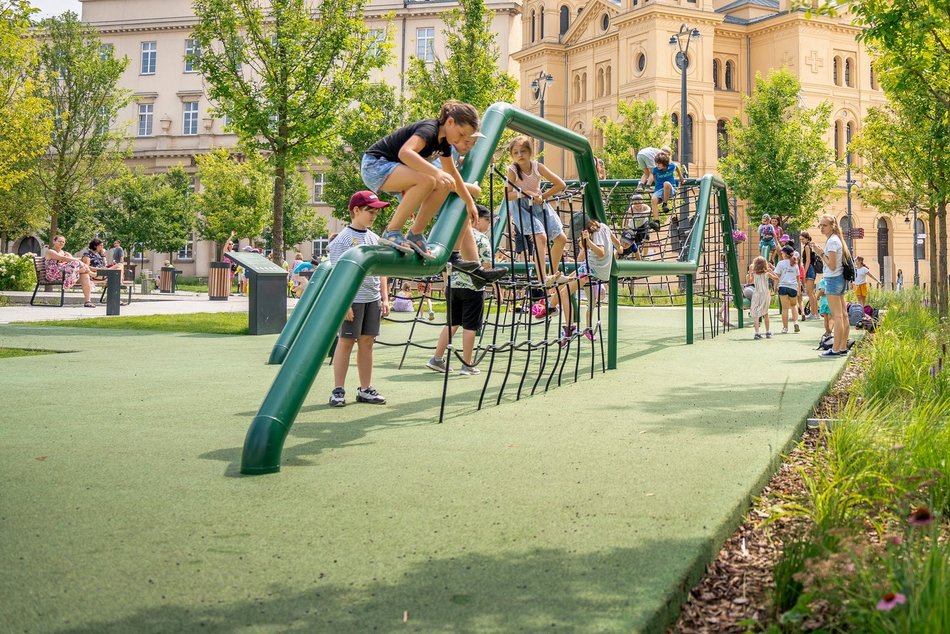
[833, 256]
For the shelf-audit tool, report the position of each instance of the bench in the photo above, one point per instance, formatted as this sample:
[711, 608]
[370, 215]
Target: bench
[39, 263]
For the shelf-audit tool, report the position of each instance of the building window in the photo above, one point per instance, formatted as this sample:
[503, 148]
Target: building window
[838, 154]
[584, 87]
[716, 65]
[722, 138]
[688, 146]
[189, 124]
[607, 79]
[541, 21]
[848, 134]
[600, 82]
[920, 245]
[320, 248]
[847, 73]
[604, 22]
[319, 181]
[873, 79]
[845, 225]
[149, 57]
[730, 75]
[376, 38]
[146, 114]
[577, 88]
[425, 44]
[187, 252]
[533, 17]
[641, 62]
[565, 19]
[676, 126]
[105, 52]
[192, 51]
[836, 71]
[103, 120]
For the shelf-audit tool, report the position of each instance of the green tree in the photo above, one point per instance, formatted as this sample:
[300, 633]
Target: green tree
[235, 196]
[366, 122]
[470, 74]
[24, 124]
[175, 213]
[640, 124]
[284, 71]
[21, 212]
[778, 161]
[80, 82]
[301, 222]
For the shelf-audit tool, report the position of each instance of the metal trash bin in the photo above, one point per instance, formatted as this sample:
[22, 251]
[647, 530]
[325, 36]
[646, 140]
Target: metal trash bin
[219, 281]
[167, 278]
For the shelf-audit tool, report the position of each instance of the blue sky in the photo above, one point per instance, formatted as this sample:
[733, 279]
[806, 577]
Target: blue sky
[55, 7]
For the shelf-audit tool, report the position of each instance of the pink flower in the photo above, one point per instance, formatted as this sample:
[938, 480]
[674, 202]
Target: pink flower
[890, 601]
[920, 516]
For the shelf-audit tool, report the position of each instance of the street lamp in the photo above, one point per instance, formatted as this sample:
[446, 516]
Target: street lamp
[916, 259]
[539, 88]
[681, 40]
[849, 183]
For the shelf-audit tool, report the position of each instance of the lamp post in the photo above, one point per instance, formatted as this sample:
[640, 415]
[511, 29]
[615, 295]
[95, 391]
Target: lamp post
[681, 40]
[539, 88]
[849, 183]
[916, 259]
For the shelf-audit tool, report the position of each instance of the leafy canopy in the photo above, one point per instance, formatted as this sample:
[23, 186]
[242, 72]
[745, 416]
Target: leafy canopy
[234, 196]
[779, 161]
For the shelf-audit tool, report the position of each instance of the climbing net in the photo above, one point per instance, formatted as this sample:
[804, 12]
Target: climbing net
[540, 329]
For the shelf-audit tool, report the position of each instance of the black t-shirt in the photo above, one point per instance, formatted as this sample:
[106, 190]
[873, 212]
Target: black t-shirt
[428, 130]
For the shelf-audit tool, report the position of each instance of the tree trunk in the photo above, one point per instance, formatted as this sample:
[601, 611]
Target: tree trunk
[942, 268]
[277, 246]
[932, 227]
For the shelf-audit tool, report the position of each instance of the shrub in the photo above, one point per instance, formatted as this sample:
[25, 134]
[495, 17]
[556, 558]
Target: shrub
[17, 272]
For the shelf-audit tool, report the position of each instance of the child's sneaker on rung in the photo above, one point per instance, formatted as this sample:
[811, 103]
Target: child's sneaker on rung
[468, 370]
[589, 334]
[338, 397]
[567, 333]
[437, 364]
[666, 208]
[369, 395]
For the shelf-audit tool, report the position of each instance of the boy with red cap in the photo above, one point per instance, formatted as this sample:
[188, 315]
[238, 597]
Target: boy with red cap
[361, 324]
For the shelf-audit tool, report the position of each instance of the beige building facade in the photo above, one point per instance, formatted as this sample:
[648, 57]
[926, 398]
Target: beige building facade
[169, 121]
[600, 52]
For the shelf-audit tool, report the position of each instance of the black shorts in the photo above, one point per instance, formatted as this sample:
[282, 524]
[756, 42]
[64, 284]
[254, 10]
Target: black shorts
[791, 292]
[467, 308]
[366, 317]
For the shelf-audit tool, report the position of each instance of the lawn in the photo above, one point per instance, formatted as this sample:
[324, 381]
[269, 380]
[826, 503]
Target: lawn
[204, 323]
[6, 353]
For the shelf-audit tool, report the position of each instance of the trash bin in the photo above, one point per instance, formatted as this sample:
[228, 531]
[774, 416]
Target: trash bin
[166, 279]
[219, 281]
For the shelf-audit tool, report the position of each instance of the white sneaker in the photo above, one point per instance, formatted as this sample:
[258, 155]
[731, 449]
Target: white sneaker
[784, 331]
[369, 395]
[469, 370]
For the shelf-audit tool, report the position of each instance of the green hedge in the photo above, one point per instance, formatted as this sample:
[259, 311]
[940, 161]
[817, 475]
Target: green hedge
[17, 272]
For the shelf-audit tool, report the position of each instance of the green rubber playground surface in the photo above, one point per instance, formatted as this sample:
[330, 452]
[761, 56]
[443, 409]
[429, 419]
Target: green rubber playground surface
[593, 507]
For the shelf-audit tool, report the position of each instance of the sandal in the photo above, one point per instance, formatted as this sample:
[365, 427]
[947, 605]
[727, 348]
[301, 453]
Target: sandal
[419, 245]
[89, 305]
[396, 240]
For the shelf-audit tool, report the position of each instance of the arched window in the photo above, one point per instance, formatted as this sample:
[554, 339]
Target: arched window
[845, 225]
[584, 87]
[848, 63]
[676, 126]
[848, 134]
[532, 24]
[920, 244]
[565, 18]
[541, 20]
[716, 74]
[600, 82]
[688, 146]
[836, 71]
[730, 72]
[577, 88]
[607, 83]
[722, 138]
[838, 154]
[873, 79]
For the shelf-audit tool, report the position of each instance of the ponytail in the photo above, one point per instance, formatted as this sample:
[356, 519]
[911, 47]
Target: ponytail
[461, 113]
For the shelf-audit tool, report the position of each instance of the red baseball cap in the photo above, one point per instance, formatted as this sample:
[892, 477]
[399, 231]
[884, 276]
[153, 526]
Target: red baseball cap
[366, 199]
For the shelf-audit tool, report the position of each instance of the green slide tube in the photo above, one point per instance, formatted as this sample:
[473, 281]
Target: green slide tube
[300, 314]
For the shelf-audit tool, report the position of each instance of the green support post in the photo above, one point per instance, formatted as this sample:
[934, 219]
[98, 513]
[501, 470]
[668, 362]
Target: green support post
[300, 314]
[689, 309]
[613, 301]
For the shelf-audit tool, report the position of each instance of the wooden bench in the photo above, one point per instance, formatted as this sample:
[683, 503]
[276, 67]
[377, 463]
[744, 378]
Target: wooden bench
[39, 263]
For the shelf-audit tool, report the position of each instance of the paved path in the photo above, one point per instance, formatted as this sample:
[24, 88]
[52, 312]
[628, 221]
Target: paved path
[592, 507]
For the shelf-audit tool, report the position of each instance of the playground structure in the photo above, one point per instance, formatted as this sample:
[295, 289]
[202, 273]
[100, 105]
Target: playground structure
[699, 233]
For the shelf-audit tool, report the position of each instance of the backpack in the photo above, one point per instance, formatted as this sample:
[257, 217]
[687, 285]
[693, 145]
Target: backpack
[847, 269]
[855, 314]
[826, 342]
[816, 262]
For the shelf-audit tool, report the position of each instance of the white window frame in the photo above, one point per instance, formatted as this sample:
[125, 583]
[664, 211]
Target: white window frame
[146, 119]
[149, 58]
[189, 118]
[321, 247]
[425, 43]
[319, 183]
[187, 252]
[191, 49]
[376, 38]
[106, 51]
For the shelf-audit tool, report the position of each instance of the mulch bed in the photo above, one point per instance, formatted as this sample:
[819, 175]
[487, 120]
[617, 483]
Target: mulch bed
[738, 584]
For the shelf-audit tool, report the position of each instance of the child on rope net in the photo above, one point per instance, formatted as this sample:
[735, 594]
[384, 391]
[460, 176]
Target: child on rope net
[531, 215]
[665, 176]
[466, 305]
[361, 324]
[760, 272]
[595, 258]
[768, 239]
[400, 164]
